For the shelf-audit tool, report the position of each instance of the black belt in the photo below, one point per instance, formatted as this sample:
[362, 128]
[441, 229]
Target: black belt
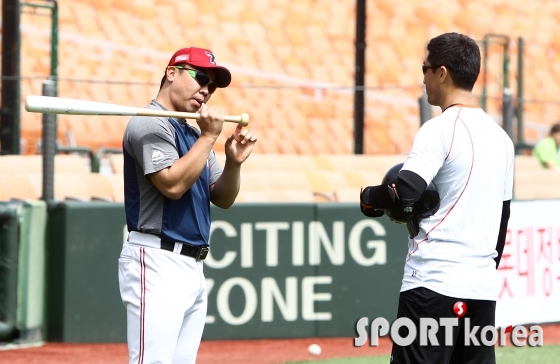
[190, 251]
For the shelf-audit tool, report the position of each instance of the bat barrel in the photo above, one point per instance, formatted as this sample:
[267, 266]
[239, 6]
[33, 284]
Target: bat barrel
[60, 105]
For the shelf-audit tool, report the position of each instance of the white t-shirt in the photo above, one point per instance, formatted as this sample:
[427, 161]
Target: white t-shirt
[469, 158]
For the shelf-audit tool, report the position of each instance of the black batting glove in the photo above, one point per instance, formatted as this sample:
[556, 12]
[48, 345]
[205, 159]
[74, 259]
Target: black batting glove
[366, 205]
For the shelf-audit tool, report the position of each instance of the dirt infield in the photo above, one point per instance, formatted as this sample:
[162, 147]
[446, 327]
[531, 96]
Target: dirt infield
[213, 352]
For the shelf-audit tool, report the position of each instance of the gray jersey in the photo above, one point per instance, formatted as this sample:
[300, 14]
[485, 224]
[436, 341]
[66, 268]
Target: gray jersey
[150, 144]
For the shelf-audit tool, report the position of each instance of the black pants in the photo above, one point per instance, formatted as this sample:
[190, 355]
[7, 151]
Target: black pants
[422, 302]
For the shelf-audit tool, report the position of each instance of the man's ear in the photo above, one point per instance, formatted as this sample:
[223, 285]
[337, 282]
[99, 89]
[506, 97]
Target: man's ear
[443, 75]
[170, 72]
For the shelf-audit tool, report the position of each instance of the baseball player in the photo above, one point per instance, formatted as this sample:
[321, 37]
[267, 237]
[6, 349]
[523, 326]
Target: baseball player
[171, 175]
[455, 254]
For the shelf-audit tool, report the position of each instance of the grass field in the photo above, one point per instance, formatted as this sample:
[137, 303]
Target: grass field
[549, 354]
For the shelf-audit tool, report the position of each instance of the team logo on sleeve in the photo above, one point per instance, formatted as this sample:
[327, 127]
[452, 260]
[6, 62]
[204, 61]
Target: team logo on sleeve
[157, 156]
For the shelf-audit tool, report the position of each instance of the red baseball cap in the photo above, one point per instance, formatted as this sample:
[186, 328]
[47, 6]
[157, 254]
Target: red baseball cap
[203, 58]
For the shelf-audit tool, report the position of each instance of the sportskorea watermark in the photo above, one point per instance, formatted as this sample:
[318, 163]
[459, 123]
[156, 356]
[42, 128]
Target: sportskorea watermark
[428, 327]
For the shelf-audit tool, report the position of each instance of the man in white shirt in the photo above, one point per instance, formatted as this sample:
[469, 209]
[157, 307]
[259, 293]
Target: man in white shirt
[454, 256]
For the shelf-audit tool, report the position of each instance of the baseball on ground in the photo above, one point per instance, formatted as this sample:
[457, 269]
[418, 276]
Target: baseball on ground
[314, 349]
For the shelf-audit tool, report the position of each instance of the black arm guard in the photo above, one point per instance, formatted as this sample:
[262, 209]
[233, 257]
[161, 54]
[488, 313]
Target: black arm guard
[403, 196]
[503, 230]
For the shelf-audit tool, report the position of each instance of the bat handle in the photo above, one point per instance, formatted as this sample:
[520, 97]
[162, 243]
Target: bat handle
[242, 119]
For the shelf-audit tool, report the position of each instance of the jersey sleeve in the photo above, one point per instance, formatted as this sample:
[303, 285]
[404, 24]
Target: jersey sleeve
[428, 152]
[153, 143]
[215, 168]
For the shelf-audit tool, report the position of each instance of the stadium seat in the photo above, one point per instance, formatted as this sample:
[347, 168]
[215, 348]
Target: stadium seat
[117, 185]
[100, 187]
[532, 184]
[282, 162]
[347, 195]
[275, 196]
[71, 163]
[527, 163]
[275, 180]
[71, 186]
[13, 164]
[117, 162]
[304, 129]
[117, 28]
[20, 186]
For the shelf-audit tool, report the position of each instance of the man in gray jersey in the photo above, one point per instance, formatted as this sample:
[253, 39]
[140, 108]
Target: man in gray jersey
[171, 175]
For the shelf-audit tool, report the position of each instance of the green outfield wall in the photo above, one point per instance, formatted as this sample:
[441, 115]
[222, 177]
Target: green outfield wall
[300, 270]
[22, 271]
[84, 241]
[275, 270]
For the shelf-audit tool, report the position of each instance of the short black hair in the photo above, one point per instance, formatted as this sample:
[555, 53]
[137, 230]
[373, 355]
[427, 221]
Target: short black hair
[459, 54]
[555, 129]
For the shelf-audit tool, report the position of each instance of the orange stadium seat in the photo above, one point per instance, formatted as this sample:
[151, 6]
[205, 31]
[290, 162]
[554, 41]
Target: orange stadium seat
[100, 186]
[117, 163]
[20, 186]
[274, 180]
[275, 196]
[347, 195]
[71, 186]
[144, 9]
[526, 163]
[117, 185]
[71, 163]
[285, 162]
[11, 164]
[534, 182]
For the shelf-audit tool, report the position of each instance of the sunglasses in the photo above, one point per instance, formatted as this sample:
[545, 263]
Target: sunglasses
[201, 78]
[425, 68]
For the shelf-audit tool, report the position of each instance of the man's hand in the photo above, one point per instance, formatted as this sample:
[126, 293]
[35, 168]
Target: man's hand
[239, 145]
[366, 205]
[210, 122]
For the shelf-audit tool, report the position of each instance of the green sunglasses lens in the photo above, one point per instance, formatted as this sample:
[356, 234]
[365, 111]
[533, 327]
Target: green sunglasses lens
[203, 80]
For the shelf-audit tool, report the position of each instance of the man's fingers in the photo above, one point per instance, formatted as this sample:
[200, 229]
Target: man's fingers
[211, 113]
[242, 138]
[248, 137]
[203, 111]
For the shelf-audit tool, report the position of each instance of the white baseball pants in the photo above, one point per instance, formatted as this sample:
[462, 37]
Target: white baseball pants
[165, 298]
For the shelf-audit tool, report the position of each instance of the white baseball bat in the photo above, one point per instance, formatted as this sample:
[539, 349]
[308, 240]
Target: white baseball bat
[60, 105]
